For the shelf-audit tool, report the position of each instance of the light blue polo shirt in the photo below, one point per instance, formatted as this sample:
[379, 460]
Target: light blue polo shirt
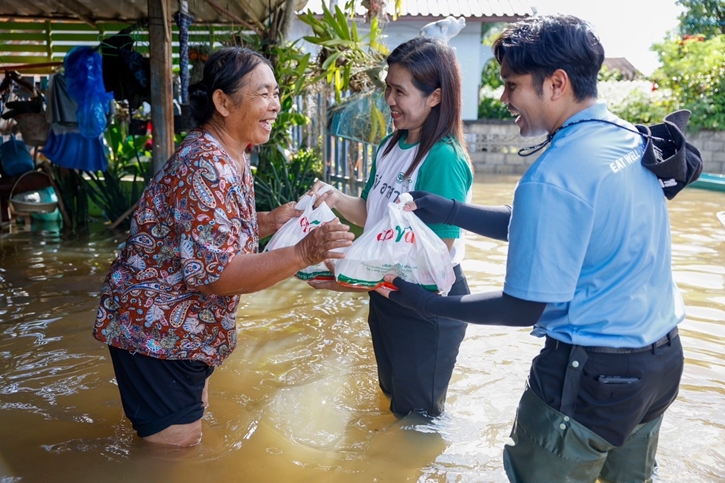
[590, 236]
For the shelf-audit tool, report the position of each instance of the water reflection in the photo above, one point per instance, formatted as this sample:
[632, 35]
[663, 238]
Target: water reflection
[298, 400]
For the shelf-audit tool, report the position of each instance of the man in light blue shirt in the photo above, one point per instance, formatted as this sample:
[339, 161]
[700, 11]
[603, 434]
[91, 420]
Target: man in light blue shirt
[589, 267]
[590, 235]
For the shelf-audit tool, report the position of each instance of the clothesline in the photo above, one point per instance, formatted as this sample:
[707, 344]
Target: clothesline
[30, 66]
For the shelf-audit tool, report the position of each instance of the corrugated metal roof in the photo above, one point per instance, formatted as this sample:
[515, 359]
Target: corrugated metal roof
[489, 9]
[213, 11]
[92, 11]
[622, 65]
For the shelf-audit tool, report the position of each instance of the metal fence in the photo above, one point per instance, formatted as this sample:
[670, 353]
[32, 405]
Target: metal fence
[346, 163]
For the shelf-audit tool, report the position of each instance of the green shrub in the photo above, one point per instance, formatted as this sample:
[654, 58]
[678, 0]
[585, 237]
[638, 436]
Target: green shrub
[492, 108]
[280, 181]
[693, 70]
[635, 101]
[127, 158]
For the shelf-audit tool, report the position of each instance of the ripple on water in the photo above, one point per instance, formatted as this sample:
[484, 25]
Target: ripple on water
[299, 399]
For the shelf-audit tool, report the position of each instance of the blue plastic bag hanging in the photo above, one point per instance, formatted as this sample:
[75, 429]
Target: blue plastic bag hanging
[15, 157]
[84, 82]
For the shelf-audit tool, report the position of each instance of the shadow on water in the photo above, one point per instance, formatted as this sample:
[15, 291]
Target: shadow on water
[298, 400]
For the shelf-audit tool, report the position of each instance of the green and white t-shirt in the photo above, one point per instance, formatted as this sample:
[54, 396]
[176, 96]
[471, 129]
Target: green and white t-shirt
[445, 171]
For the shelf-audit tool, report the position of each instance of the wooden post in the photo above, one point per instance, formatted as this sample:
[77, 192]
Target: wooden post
[162, 108]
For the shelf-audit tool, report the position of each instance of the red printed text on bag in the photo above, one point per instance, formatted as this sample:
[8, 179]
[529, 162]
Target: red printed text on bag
[308, 225]
[405, 235]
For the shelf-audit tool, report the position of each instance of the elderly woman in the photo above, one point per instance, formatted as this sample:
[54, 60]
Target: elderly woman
[168, 305]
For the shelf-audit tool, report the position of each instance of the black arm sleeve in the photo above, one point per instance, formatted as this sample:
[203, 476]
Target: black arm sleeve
[490, 308]
[488, 221]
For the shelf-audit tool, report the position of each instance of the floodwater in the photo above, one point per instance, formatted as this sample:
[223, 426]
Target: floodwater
[298, 400]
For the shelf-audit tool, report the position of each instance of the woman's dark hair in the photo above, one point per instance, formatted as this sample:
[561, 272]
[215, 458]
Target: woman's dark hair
[225, 70]
[542, 44]
[432, 64]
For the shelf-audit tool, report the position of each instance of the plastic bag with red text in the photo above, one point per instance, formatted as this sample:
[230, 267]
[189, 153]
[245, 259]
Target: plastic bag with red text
[297, 228]
[399, 244]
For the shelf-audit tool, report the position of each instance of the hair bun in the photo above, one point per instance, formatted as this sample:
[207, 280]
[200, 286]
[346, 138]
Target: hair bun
[198, 89]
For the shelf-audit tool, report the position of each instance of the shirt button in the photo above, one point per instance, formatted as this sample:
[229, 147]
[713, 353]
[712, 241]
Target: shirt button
[575, 364]
[566, 418]
[562, 426]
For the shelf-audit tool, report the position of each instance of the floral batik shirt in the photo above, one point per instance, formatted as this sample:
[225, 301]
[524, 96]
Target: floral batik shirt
[193, 218]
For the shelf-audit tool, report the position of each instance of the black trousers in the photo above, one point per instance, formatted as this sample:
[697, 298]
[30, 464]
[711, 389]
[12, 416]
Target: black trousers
[609, 393]
[415, 355]
[158, 393]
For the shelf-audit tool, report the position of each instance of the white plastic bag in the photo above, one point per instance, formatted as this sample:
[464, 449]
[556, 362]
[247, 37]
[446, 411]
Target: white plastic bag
[295, 229]
[399, 244]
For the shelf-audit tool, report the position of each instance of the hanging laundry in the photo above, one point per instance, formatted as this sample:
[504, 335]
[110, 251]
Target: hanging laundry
[125, 72]
[61, 108]
[73, 150]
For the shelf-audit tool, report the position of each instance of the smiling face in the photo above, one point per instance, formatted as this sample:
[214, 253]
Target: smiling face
[251, 111]
[525, 101]
[409, 108]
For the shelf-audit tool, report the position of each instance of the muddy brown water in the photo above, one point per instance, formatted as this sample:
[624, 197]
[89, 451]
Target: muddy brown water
[298, 400]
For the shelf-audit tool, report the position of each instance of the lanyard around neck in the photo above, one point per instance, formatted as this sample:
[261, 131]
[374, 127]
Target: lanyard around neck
[528, 151]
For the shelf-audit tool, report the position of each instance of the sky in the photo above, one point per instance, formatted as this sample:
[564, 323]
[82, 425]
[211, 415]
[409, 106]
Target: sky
[627, 28]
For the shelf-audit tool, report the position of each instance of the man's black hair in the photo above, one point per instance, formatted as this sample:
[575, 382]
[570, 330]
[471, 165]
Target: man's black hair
[540, 45]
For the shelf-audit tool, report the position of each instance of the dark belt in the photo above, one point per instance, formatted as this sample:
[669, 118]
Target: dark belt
[619, 350]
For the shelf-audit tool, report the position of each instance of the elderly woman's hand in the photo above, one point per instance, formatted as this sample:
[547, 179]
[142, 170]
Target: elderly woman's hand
[318, 245]
[280, 215]
[271, 221]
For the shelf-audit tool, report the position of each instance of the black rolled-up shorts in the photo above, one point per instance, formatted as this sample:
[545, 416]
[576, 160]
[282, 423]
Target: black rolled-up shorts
[610, 410]
[158, 393]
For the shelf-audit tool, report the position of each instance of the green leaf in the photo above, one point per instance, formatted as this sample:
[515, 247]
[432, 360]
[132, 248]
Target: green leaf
[355, 36]
[313, 40]
[341, 25]
[338, 42]
[346, 77]
[331, 60]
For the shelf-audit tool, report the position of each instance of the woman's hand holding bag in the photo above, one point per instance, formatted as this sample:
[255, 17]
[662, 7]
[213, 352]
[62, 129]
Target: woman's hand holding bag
[399, 244]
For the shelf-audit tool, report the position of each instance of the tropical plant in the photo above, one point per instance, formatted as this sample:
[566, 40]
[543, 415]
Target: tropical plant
[129, 170]
[491, 107]
[74, 195]
[608, 75]
[351, 66]
[491, 74]
[347, 60]
[284, 182]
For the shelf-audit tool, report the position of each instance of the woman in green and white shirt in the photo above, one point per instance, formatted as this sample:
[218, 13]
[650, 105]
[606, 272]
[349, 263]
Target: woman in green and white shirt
[415, 355]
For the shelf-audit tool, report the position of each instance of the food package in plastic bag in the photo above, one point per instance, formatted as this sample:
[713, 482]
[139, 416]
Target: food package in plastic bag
[399, 244]
[295, 229]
